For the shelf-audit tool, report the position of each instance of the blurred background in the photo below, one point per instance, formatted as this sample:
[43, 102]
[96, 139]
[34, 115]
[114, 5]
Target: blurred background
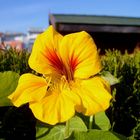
[19, 16]
[21, 21]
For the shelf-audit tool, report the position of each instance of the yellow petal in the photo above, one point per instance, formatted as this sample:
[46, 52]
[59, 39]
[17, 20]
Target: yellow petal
[44, 53]
[59, 106]
[79, 53]
[95, 95]
[30, 88]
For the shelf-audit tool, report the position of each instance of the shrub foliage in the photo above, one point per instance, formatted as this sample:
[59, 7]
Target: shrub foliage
[124, 112]
[13, 60]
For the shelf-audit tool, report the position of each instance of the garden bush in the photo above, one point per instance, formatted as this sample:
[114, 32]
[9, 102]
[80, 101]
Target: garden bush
[124, 112]
[13, 60]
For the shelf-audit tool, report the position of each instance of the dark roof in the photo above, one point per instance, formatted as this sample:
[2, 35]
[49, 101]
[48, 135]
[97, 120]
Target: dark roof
[65, 23]
[94, 19]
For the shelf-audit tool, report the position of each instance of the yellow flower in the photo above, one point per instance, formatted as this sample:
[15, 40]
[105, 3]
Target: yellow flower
[69, 65]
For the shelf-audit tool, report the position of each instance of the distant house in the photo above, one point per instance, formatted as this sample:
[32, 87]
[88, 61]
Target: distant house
[14, 39]
[9, 36]
[18, 40]
[18, 45]
[108, 32]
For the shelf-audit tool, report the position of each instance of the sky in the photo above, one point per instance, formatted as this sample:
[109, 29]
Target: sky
[20, 15]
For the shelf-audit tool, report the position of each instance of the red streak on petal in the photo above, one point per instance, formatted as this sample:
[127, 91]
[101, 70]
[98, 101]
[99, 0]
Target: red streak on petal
[55, 61]
[73, 63]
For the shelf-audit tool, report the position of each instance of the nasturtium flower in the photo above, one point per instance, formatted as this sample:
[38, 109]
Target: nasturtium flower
[70, 82]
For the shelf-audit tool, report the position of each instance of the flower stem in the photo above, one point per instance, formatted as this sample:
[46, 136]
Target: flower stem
[91, 120]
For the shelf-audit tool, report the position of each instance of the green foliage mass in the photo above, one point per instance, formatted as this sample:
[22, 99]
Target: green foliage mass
[8, 83]
[124, 112]
[13, 60]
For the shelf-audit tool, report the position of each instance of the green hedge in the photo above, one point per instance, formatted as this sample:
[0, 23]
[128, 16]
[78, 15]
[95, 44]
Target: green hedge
[12, 60]
[124, 112]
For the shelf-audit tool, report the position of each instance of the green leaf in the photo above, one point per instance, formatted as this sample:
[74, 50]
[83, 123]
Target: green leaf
[102, 121]
[56, 133]
[98, 135]
[8, 83]
[109, 77]
[41, 130]
[77, 124]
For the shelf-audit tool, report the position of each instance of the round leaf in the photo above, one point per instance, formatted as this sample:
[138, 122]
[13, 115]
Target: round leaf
[8, 83]
[102, 121]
